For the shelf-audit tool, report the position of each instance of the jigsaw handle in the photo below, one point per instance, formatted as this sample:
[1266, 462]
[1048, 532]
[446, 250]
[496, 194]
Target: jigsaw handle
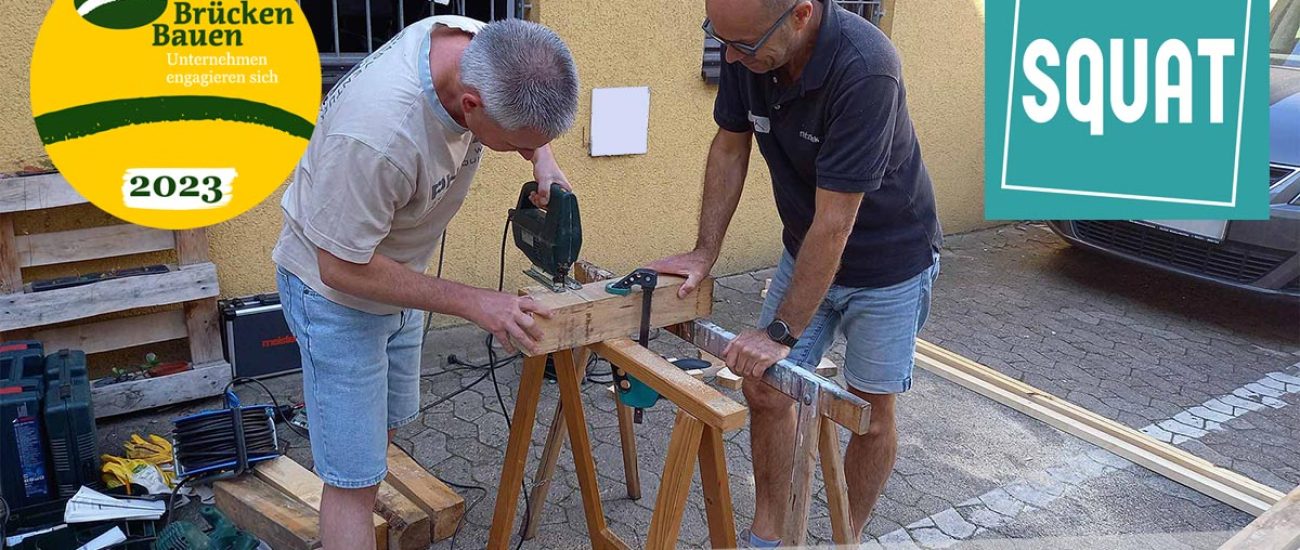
[557, 191]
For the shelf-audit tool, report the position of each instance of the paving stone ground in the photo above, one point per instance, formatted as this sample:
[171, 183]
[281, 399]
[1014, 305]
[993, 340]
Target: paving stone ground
[1211, 370]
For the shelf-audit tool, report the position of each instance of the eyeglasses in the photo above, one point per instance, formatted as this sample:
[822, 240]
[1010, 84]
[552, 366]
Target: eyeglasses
[749, 49]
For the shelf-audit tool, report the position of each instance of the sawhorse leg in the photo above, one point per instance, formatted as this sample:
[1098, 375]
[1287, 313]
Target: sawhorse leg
[693, 441]
[516, 460]
[517, 452]
[551, 454]
[837, 490]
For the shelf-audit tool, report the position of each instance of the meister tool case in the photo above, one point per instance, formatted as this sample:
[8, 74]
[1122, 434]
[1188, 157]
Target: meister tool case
[256, 338]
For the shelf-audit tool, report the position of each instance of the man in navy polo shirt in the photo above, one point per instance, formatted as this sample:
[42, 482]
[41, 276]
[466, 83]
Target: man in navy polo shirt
[821, 91]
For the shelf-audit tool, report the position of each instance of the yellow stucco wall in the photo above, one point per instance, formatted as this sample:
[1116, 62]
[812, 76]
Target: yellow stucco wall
[635, 208]
[942, 45]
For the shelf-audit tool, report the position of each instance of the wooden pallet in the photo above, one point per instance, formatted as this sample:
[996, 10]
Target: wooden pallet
[191, 283]
[281, 501]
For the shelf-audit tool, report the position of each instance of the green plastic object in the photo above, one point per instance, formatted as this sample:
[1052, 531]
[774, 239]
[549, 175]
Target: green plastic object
[184, 535]
[640, 396]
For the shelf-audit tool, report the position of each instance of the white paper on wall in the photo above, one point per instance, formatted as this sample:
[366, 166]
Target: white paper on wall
[620, 121]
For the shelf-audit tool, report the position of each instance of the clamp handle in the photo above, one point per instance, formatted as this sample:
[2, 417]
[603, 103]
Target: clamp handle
[647, 279]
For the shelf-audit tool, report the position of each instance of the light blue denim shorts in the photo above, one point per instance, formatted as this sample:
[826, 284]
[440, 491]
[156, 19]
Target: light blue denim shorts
[360, 378]
[879, 324]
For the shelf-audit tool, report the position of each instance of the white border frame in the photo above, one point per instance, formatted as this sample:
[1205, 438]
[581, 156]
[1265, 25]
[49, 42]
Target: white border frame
[1236, 171]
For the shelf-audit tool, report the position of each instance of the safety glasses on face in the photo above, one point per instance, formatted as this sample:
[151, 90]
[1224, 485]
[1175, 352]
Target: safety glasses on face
[749, 49]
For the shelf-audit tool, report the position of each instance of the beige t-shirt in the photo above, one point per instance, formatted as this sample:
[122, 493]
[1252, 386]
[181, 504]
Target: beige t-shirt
[385, 170]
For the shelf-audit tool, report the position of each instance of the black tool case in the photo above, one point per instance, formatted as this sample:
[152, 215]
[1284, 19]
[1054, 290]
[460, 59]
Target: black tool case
[25, 471]
[256, 339]
[70, 422]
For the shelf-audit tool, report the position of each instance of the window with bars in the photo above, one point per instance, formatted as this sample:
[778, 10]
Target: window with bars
[871, 10]
[348, 30]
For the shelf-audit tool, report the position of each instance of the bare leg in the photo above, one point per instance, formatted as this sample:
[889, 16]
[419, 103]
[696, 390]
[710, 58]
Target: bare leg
[771, 435]
[345, 518]
[870, 458]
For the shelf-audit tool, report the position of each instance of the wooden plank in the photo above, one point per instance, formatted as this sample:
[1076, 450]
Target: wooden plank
[1219, 483]
[78, 245]
[807, 434]
[11, 274]
[18, 311]
[716, 486]
[114, 334]
[204, 380]
[545, 471]
[1276, 529]
[202, 326]
[837, 403]
[592, 314]
[302, 485]
[675, 483]
[516, 459]
[443, 506]
[409, 527]
[695, 397]
[23, 193]
[268, 514]
[1076, 412]
[837, 487]
[584, 465]
[191, 246]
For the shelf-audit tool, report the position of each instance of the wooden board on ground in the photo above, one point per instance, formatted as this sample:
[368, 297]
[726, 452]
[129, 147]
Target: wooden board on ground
[1162, 458]
[298, 482]
[592, 314]
[254, 506]
[443, 506]
[134, 395]
[1277, 529]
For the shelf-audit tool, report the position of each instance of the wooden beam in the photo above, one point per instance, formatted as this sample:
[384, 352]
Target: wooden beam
[23, 193]
[834, 402]
[443, 506]
[1162, 458]
[268, 514]
[115, 334]
[592, 314]
[693, 396]
[204, 380]
[1276, 529]
[18, 311]
[107, 241]
[409, 527]
[11, 274]
[300, 483]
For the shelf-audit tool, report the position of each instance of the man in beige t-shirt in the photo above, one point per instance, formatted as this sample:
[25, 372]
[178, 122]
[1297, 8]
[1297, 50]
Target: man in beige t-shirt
[396, 145]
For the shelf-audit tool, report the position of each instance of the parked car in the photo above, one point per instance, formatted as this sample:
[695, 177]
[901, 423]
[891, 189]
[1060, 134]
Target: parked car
[1262, 256]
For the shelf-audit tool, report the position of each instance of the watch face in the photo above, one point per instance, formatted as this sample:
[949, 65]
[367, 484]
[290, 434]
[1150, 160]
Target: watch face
[778, 330]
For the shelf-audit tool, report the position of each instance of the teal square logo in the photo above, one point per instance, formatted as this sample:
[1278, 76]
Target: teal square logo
[1124, 109]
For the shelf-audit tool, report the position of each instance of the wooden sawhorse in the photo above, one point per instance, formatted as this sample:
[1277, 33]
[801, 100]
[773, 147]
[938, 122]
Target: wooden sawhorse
[589, 317]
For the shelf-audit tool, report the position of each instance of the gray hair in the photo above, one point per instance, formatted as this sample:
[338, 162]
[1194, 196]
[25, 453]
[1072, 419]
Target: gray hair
[525, 75]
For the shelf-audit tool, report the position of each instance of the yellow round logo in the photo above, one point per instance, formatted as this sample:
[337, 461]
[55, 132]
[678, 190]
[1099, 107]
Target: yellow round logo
[175, 114]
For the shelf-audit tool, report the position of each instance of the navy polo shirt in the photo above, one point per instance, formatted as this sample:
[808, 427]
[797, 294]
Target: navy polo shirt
[844, 127]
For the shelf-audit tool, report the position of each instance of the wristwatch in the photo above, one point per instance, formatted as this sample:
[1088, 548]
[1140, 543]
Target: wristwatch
[779, 332]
